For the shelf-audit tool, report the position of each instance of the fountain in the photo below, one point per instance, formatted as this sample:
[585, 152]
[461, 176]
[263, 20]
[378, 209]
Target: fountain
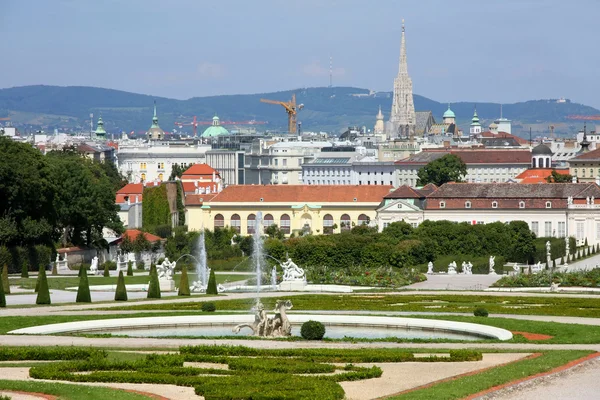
[202, 269]
[258, 257]
[274, 278]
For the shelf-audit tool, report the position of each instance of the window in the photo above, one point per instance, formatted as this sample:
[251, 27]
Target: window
[548, 228]
[236, 223]
[268, 221]
[250, 225]
[284, 224]
[535, 226]
[327, 224]
[548, 204]
[579, 231]
[521, 204]
[363, 219]
[597, 230]
[494, 204]
[143, 166]
[386, 224]
[143, 177]
[219, 221]
[161, 165]
[160, 177]
[345, 222]
[575, 172]
[467, 204]
[562, 229]
[299, 162]
[276, 162]
[442, 204]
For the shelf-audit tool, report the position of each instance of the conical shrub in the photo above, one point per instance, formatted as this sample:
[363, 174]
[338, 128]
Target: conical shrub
[43, 293]
[129, 268]
[184, 283]
[106, 270]
[121, 292]
[2, 296]
[24, 271]
[83, 292]
[212, 284]
[5, 281]
[154, 286]
[54, 269]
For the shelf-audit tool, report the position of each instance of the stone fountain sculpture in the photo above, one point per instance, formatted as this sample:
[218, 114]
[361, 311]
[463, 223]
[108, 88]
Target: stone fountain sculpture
[492, 263]
[165, 275]
[294, 277]
[452, 268]
[94, 266]
[263, 326]
[430, 268]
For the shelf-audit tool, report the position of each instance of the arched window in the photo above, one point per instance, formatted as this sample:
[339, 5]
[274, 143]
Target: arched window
[327, 224]
[160, 177]
[345, 222]
[251, 222]
[268, 220]
[219, 221]
[363, 219]
[284, 224]
[548, 204]
[467, 204]
[521, 204]
[143, 177]
[442, 204]
[236, 223]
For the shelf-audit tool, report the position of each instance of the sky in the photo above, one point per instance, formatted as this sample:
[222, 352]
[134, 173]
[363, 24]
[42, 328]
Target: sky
[462, 50]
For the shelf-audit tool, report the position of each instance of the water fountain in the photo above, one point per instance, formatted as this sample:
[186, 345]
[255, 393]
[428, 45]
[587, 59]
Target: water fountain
[258, 250]
[202, 270]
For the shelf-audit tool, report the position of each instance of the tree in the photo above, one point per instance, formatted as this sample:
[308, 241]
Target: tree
[83, 292]
[121, 292]
[177, 171]
[274, 232]
[555, 177]
[5, 281]
[43, 293]
[449, 168]
[212, 284]
[154, 286]
[184, 283]
[126, 244]
[398, 230]
[141, 243]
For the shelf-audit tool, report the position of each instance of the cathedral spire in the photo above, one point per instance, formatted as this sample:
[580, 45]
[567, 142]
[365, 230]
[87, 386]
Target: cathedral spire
[402, 117]
[403, 67]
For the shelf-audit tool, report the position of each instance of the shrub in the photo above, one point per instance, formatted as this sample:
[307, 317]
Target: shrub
[184, 283]
[5, 281]
[106, 270]
[312, 330]
[209, 307]
[154, 286]
[212, 284]
[2, 296]
[121, 292]
[54, 269]
[83, 292]
[140, 265]
[43, 293]
[129, 268]
[24, 271]
[49, 353]
[480, 312]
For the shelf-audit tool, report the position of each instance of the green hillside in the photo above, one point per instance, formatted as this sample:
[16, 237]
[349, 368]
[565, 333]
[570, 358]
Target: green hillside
[330, 109]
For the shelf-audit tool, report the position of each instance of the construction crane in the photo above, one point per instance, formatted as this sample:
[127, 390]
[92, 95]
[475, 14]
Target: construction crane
[584, 117]
[290, 108]
[195, 123]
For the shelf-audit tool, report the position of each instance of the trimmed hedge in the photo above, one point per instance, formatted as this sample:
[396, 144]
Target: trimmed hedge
[312, 330]
[212, 284]
[43, 293]
[184, 283]
[129, 268]
[121, 291]
[5, 281]
[49, 353]
[2, 296]
[83, 292]
[209, 307]
[480, 312]
[154, 286]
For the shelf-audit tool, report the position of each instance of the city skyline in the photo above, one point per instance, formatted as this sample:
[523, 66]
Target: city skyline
[469, 51]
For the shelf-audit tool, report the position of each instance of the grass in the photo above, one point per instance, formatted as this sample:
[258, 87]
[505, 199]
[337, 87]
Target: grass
[465, 386]
[71, 392]
[62, 283]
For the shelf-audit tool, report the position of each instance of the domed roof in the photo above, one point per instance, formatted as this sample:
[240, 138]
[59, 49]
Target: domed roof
[215, 129]
[541, 149]
[449, 113]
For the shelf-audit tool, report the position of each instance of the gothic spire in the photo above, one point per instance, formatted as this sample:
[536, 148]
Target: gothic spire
[402, 116]
[403, 67]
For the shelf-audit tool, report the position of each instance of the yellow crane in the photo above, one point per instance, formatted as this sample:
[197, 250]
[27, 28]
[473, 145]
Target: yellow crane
[290, 108]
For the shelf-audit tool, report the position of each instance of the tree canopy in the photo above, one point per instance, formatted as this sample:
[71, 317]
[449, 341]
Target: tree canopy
[449, 168]
[555, 177]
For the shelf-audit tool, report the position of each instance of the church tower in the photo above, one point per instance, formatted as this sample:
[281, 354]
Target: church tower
[402, 117]
[475, 128]
[379, 124]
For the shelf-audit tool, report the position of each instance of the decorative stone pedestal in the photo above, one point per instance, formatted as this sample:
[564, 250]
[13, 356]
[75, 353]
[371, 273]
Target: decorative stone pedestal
[292, 286]
[166, 285]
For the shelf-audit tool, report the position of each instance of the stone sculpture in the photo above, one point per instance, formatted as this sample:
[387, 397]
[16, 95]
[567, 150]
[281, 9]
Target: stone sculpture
[165, 270]
[94, 266]
[291, 271]
[430, 268]
[492, 263]
[263, 326]
[467, 268]
[452, 268]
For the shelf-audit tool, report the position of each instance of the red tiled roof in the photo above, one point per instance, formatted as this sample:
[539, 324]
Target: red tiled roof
[129, 191]
[404, 192]
[514, 191]
[519, 140]
[538, 175]
[589, 155]
[200, 169]
[190, 187]
[198, 199]
[132, 234]
[302, 194]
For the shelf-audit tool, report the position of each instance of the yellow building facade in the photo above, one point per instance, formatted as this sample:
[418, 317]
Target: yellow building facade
[294, 209]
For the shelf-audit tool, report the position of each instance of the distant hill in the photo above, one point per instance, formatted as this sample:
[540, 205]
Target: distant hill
[330, 109]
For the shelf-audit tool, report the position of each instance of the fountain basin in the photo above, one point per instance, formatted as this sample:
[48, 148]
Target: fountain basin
[168, 326]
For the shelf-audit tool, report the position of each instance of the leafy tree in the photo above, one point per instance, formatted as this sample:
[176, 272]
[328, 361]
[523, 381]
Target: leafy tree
[398, 230]
[555, 177]
[126, 244]
[5, 281]
[141, 244]
[184, 283]
[83, 292]
[212, 284]
[121, 292]
[274, 232]
[177, 171]
[449, 168]
[154, 286]
[43, 293]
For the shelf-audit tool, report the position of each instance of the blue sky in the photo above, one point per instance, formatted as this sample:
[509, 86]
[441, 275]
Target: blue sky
[462, 50]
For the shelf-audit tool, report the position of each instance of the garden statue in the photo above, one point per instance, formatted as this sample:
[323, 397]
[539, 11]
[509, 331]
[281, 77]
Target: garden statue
[94, 266]
[554, 286]
[467, 268]
[263, 326]
[537, 267]
[165, 270]
[516, 268]
[452, 268]
[548, 254]
[567, 251]
[291, 271]
[430, 268]
[492, 263]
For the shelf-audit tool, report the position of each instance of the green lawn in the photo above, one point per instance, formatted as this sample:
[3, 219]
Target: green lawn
[71, 392]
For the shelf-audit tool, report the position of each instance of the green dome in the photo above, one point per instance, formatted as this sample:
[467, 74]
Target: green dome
[449, 113]
[216, 129]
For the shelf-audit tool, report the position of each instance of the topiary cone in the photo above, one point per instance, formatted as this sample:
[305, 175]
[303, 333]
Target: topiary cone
[211, 288]
[24, 271]
[154, 286]
[129, 268]
[5, 281]
[184, 284]
[43, 293]
[106, 271]
[121, 292]
[83, 292]
[2, 296]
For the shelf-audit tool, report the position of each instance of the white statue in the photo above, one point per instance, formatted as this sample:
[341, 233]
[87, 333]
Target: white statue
[94, 266]
[587, 200]
[567, 246]
[548, 245]
[165, 270]
[430, 268]
[452, 267]
[516, 268]
[291, 271]
[492, 263]
[468, 268]
[464, 267]
[277, 326]
[569, 200]
[554, 286]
